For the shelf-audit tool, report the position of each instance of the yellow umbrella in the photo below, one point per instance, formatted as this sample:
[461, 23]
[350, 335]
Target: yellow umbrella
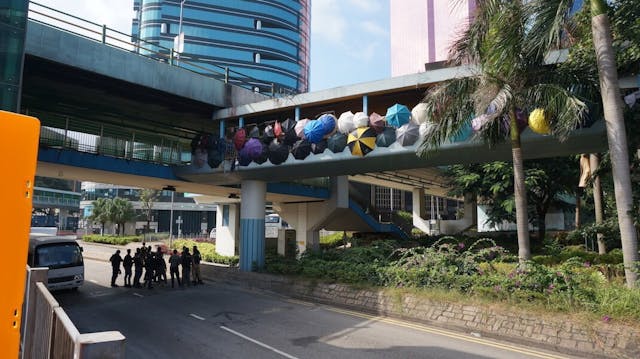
[362, 141]
[539, 121]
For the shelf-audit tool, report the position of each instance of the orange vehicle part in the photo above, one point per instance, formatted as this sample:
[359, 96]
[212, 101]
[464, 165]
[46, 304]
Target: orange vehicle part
[18, 156]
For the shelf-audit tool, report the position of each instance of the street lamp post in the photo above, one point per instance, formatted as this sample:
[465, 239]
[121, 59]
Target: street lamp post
[178, 43]
[171, 222]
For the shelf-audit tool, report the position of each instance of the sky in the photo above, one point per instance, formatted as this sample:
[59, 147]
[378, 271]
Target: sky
[349, 38]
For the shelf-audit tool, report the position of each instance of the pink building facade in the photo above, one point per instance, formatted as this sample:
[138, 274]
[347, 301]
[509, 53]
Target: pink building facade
[423, 30]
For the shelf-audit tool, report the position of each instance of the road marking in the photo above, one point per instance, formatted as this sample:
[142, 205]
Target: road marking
[445, 333]
[99, 294]
[464, 337]
[93, 281]
[196, 316]
[258, 343]
[138, 295]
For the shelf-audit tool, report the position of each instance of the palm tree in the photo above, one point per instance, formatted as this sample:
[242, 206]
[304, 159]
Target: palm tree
[121, 212]
[504, 81]
[100, 212]
[550, 17]
[147, 198]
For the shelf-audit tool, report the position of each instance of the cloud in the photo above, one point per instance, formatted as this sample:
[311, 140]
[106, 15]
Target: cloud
[116, 14]
[328, 21]
[365, 5]
[374, 29]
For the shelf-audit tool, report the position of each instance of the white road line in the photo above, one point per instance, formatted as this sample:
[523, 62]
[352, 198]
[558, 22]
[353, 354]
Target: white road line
[138, 295]
[196, 316]
[99, 294]
[258, 343]
[93, 281]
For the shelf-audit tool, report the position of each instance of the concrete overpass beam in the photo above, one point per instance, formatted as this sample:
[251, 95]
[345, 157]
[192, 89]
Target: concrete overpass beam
[252, 225]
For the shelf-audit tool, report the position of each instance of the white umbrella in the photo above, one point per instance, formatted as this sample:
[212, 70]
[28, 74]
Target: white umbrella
[345, 123]
[419, 113]
[360, 120]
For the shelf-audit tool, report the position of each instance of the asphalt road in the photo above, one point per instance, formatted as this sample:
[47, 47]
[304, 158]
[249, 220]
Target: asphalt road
[224, 321]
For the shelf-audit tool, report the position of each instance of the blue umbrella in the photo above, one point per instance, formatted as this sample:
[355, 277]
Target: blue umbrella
[314, 131]
[328, 123]
[398, 115]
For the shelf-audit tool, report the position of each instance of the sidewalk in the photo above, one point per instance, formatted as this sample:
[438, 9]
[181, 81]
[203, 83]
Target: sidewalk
[102, 252]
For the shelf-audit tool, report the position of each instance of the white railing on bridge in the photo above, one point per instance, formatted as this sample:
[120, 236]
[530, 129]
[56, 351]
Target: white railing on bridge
[47, 331]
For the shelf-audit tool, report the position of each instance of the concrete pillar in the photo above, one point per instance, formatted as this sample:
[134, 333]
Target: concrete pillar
[227, 226]
[252, 225]
[365, 104]
[419, 210]
[307, 238]
[297, 113]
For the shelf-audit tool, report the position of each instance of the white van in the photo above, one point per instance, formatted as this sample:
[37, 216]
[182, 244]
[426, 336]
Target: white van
[63, 257]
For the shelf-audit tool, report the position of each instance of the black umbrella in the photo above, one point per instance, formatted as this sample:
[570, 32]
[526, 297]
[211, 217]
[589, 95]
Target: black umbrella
[268, 135]
[264, 155]
[254, 132]
[386, 137]
[301, 149]
[319, 147]
[289, 130]
[214, 157]
[278, 152]
[337, 142]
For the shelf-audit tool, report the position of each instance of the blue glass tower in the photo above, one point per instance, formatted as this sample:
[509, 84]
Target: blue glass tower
[263, 42]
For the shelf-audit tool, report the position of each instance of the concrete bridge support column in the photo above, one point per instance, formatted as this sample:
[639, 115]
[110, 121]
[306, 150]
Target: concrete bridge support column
[252, 225]
[227, 229]
[307, 238]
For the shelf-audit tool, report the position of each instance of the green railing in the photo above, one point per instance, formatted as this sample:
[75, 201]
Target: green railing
[102, 33]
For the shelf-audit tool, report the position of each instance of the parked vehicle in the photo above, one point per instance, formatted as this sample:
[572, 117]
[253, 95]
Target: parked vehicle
[62, 255]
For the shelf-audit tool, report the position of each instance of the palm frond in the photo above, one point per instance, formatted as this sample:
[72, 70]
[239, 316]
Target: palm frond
[449, 106]
[548, 20]
[466, 49]
[565, 109]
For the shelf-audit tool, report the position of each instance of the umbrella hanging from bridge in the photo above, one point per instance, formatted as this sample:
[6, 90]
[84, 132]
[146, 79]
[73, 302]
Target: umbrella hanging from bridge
[362, 141]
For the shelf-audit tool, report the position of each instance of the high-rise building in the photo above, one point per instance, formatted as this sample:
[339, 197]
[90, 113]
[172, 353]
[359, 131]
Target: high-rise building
[423, 30]
[262, 42]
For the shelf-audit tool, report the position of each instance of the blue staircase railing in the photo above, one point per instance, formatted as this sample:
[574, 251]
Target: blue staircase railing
[375, 225]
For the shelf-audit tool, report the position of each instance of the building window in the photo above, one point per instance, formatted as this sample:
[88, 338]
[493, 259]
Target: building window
[225, 215]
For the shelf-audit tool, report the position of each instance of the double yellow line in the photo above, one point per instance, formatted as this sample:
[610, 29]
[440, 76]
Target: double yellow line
[449, 334]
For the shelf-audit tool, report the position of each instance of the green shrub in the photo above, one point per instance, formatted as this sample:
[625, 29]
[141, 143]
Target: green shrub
[118, 240]
[207, 251]
[332, 240]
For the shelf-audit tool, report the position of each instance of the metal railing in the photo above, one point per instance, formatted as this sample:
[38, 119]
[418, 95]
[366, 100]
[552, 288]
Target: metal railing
[121, 143]
[47, 331]
[102, 33]
[55, 201]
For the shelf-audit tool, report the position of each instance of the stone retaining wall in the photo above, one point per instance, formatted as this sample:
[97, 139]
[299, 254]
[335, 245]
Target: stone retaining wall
[553, 332]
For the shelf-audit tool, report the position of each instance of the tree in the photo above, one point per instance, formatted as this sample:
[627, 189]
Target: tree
[121, 211]
[547, 181]
[504, 80]
[550, 17]
[147, 198]
[100, 212]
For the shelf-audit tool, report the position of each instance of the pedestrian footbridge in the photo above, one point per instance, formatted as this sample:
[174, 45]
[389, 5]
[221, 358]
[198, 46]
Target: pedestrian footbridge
[111, 115]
